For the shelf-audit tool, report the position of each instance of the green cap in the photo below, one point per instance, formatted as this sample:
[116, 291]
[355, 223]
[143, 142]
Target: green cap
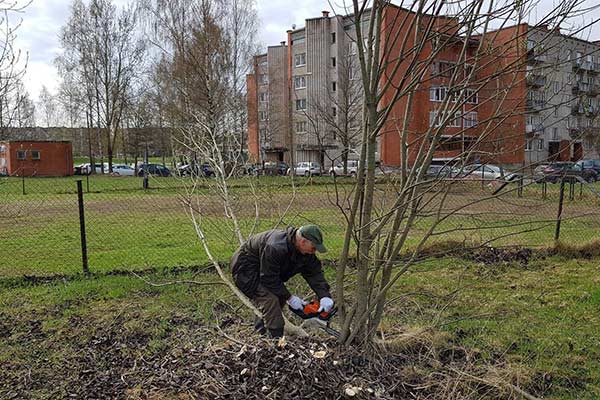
[313, 233]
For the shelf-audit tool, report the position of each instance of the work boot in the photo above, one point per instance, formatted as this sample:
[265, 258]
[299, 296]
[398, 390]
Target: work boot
[276, 333]
[259, 325]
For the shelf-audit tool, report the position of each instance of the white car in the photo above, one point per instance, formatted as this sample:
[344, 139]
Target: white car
[487, 172]
[122, 170]
[338, 169]
[306, 168]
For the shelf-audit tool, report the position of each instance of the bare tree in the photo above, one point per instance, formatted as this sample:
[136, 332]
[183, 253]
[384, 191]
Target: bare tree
[13, 64]
[401, 51]
[106, 54]
[47, 106]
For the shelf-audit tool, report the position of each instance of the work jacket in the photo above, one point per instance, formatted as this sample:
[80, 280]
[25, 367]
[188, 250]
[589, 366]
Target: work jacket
[270, 258]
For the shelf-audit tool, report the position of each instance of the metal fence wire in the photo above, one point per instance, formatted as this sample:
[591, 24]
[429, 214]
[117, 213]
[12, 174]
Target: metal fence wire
[131, 228]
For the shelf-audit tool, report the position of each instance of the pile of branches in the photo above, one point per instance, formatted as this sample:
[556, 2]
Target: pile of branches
[203, 363]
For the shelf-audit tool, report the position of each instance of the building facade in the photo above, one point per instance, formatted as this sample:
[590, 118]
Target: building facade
[36, 158]
[530, 94]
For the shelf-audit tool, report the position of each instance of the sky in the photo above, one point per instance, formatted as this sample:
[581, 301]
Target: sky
[42, 20]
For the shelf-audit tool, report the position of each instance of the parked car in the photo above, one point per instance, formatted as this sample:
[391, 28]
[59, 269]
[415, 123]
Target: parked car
[154, 170]
[86, 169]
[306, 168]
[590, 164]
[270, 168]
[196, 170]
[488, 172]
[441, 171]
[556, 171]
[338, 169]
[122, 170]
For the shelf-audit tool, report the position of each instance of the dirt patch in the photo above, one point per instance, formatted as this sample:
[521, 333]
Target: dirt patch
[192, 361]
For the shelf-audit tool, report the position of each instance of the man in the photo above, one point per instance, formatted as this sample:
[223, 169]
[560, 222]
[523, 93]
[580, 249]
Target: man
[267, 260]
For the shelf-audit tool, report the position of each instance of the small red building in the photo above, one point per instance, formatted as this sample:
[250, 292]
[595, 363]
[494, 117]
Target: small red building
[36, 158]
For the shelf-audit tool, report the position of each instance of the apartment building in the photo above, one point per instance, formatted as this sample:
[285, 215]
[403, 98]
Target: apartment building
[304, 97]
[530, 94]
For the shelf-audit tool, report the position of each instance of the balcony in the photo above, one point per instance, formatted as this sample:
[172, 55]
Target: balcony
[577, 109]
[591, 111]
[535, 80]
[580, 88]
[535, 56]
[595, 68]
[535, 105]
[594, 91]
[532, 129]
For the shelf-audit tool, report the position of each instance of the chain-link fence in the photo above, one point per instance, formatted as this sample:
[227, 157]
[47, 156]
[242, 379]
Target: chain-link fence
[128, 227]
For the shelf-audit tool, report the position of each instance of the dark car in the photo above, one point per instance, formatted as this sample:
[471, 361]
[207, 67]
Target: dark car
[270, 168]
[556, 171]
[275, 168]
[196, 170]
[154, 170]
[590, 164]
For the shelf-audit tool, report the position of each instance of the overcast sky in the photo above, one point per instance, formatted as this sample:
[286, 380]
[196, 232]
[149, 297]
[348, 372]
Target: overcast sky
[42, 20]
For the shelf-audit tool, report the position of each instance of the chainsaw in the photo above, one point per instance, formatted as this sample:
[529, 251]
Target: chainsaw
[313, 318]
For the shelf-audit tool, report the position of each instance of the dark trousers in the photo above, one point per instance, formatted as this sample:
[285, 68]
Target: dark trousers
[271, 308]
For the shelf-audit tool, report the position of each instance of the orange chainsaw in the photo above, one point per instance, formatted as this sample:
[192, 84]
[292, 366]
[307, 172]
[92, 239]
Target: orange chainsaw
[312, 317]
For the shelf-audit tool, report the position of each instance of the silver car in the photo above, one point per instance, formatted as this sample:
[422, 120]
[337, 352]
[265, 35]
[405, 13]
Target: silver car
[338, 169]
[306, 168]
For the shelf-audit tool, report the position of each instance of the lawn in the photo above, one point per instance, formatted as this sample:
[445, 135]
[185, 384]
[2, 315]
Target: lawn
[535, 322]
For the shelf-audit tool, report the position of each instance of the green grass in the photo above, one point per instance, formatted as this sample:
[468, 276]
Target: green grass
[541, 320]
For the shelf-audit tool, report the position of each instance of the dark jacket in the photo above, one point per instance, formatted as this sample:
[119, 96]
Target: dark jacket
[271, 258]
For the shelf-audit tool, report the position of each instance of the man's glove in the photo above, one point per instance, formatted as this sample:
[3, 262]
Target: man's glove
[296, 302]
[326, 304]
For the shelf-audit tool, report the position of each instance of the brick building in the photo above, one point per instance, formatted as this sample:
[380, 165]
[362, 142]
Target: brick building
[531, 94]
[36, 158]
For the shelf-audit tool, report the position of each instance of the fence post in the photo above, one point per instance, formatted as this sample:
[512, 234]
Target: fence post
[544, 189]
[561, 198]
[23, 181]
[87, 182]
[520, 190]
[84, 258]
[571, 189]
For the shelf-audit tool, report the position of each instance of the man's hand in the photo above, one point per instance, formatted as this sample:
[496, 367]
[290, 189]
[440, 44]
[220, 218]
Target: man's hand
[296, 302]
[326, 304]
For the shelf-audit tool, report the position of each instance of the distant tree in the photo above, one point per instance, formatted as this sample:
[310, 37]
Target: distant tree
[104, 53]
[13, 64]
[48, 108]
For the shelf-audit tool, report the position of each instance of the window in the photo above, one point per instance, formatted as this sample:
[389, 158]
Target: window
[332, 37]
[350, 72]
[333, 86]
[262, 132]
[470, 120]
[300, 59]
[540, 144]
[35, 154]
[300, 104]
[262, 115]
[556, 111]
[471, 96]
[301, 127]
[437, 93]
[333, 61]
[21, 155]
[264, 79]
[554, 133]
[334, 111]
[300, 82]
[442, 69]
[262, 97]
[528, 145]
[437, 119]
